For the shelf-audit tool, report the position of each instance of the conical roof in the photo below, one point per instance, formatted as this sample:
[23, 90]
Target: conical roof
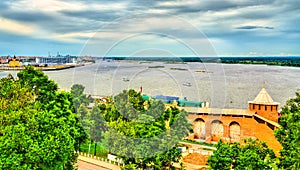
[263, 97]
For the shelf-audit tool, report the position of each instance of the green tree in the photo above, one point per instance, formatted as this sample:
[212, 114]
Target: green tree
[289, 134]
[79, 97]
[93, 123]
[144, 136]
[82, 112]
[166, 159]
[38, 129]
[130, 166]
[251, 154]
[98, 127]
[39, 83]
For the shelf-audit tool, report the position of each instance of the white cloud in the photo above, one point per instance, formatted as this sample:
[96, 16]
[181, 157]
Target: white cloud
[179, 3]
[109, 6]
[15, 27]
[77, 20]
[73, 37]
[46, 5]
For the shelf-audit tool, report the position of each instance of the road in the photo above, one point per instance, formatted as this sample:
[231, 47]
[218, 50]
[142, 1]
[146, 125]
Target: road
[87, 166]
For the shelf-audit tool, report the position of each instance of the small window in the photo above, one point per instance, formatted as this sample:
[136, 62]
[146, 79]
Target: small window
[258, 107]
[272, 108]
[266, 108]
[253, 106]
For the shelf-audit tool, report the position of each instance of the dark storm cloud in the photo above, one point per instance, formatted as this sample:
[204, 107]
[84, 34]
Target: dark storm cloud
[97, 15]
[64, 26]
[252, 15]
[7, 37]
[51, 22]
[94, 1]
[216, 5]
[288, 5]
[179, 33]
[250, 27]
[24, 16]
[131, 2]
[212, 6]
[133, 7]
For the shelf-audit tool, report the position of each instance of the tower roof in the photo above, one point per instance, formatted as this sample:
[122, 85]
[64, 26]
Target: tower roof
[263, 97]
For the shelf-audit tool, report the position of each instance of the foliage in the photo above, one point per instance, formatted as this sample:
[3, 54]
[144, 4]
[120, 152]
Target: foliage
[144, 133]
[98, 126]
[101, 149]
[10, 92]
[252, 154]
[165, 159]
[279, 61]
[79, 98]
[38, 129]
[92, 120]
[130, 166]
[289, 134]
[82, 112]
[39, 83]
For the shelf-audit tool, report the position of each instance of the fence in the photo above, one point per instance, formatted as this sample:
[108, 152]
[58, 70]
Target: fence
[118, 163]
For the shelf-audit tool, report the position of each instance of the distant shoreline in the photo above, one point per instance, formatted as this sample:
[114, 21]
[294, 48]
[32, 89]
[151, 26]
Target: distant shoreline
[48, 68]
[293, 61]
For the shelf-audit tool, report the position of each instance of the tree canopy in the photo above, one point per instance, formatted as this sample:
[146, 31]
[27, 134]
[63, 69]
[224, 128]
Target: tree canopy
[251, 154]
[39, 83]
[144, 133]
[38, 129]
[289, 134]
[79, 97]
[92, 120]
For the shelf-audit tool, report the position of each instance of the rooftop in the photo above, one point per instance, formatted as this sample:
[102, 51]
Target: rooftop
[263, 97]
[218, 111]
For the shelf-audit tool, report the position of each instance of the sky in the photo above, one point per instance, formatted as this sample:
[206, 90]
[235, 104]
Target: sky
[150, 28]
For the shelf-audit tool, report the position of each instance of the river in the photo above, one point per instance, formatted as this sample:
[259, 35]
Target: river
[222, 85]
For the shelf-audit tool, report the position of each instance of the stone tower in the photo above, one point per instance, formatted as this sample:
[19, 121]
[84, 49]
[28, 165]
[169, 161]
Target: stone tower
[264, 106]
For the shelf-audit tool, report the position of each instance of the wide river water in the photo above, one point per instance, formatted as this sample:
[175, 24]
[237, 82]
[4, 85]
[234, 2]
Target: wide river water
[222, 85]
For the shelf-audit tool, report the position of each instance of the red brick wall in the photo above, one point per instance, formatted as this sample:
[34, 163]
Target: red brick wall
[269, 112]
[247, 124]
[249, 127]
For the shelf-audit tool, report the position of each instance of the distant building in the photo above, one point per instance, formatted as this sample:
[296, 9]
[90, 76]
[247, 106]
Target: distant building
[39, 60]
[4, 59]
[175, 101]
[59, 59]
[14, 62]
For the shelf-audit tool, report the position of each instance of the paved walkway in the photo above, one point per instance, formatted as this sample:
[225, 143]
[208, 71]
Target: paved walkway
[87, 163]
[88, 166]
[98, 163]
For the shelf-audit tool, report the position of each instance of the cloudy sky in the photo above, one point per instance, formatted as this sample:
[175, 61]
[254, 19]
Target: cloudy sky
[140, 27]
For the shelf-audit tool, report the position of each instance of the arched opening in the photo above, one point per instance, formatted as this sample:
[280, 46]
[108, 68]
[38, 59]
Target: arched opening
[199, 129]
[217, 130]
[234, 132]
